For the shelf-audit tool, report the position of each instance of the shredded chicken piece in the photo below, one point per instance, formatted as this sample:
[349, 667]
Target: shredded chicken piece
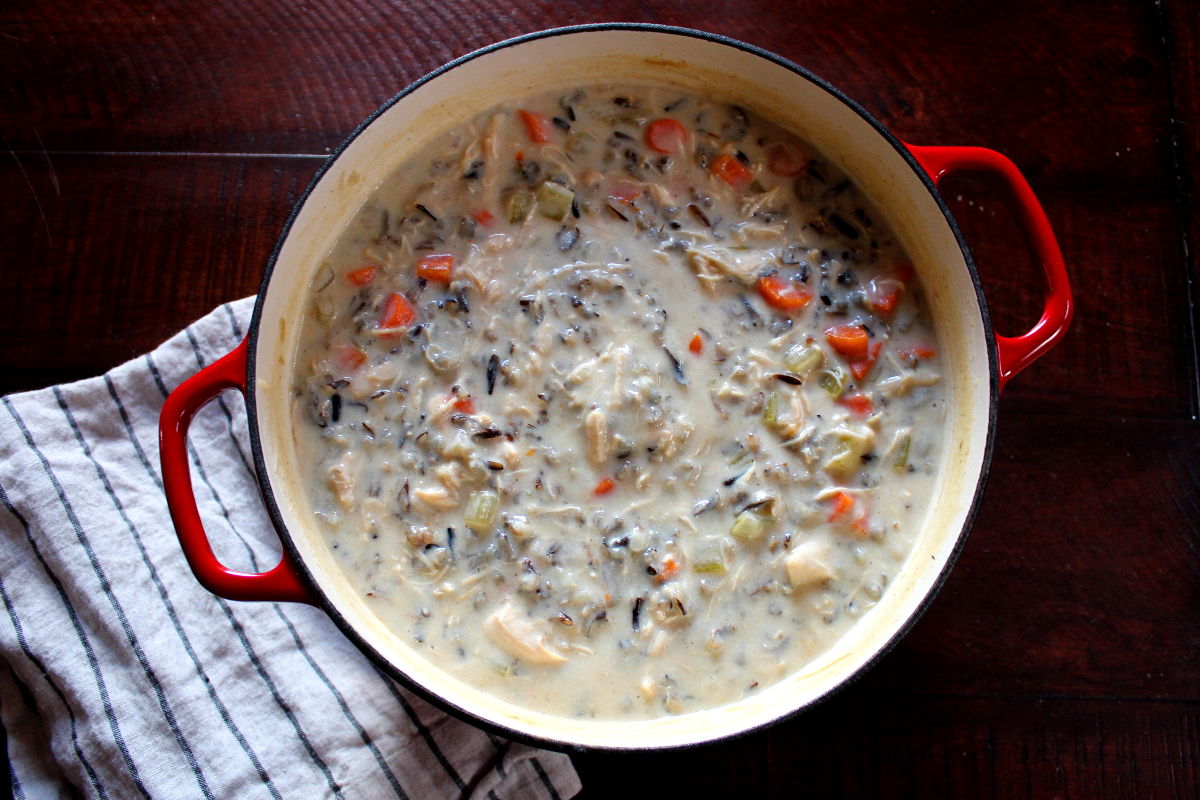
[793, 422]
[520, 638]
[561, 162]
[901, 384]
[713, 263]
[341, 476]
[752, 204]
[489, 145]
[435, 498]
[597, 437]
[659, 643]
[808, 564]
[451, 475]
[752, 233]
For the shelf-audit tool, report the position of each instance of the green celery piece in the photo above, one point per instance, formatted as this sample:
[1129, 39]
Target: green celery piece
[554, 200]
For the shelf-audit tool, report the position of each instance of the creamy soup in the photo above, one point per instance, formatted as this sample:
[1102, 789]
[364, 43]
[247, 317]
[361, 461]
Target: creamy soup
[618, 402]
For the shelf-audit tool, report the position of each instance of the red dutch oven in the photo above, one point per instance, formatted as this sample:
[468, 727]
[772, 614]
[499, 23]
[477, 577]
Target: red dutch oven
[901, 181]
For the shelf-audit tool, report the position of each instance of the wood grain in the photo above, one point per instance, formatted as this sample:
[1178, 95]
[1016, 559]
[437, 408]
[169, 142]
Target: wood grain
[1181, 34]
[1080, 575]
[116, 253]
[865, 745]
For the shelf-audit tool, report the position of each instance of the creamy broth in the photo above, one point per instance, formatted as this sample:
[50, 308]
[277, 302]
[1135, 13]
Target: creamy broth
[618, 402]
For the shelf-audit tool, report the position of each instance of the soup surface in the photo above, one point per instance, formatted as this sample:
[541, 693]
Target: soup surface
[618, 402]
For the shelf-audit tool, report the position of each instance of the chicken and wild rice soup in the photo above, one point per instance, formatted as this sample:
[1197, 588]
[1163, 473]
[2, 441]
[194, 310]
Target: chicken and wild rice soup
[618, 402]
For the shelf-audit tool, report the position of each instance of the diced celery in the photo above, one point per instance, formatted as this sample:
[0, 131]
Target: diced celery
[323, 278]
[554, 200]
[771, 410]
[802, 359]
[481, 511]
[833, 381]
[625, 118]
[848, 448]
[519, 203]
[578, 143]
[324, 307]
[709, 558]
[901, 462]
[750, 525]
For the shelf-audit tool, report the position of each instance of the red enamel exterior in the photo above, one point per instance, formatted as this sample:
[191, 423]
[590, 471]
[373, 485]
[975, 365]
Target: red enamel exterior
[282, 583]
[1015, 352]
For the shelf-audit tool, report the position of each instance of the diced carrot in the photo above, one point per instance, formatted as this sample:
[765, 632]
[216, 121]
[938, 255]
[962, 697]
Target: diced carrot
[882, 296]
[536, 125]
[858, 403]
[782, 294]
[842, 503]
[348, 357]
[913, 352]
[732, 171]
[436, 268]
[397, 313]
[482, 216]
[605, 486]
[883, 293]
[846, 508]
[465, 403]
[859, 367]
[849, 340]
[787, 160]
[669, 567]
[696, 344]
[363, 276]
[665, 135]
[625, 192]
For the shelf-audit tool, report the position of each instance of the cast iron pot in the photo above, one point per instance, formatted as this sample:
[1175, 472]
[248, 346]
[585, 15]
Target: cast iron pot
[900, 179]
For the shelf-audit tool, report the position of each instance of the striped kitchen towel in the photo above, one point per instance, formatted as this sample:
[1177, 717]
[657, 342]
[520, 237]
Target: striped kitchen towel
[123, 678]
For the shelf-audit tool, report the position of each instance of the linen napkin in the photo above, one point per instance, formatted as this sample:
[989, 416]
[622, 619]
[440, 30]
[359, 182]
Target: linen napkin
[123, 678]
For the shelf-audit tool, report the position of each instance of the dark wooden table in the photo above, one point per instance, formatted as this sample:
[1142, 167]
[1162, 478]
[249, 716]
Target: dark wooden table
[155, 150]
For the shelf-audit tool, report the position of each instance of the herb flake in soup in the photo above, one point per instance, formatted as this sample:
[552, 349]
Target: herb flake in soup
[619, 402]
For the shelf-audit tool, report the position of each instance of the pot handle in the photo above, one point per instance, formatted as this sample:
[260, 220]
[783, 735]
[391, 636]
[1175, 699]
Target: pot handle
[1016, 352]
[281, 583]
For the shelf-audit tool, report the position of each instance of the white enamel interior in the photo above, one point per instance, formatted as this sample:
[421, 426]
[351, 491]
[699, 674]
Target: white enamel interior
[699, 65]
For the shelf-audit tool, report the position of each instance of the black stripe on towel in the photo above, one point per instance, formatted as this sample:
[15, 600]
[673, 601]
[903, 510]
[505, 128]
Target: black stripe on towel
[423, 730]
[137, 446]
[93, 778]
[93, 663]
[279, 701]
[341, 701]
[233, 321]
[106, 587]
[537, 767]
[159, 692]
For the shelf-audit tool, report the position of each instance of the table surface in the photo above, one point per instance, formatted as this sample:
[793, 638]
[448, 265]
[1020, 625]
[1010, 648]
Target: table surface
[157, 148]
